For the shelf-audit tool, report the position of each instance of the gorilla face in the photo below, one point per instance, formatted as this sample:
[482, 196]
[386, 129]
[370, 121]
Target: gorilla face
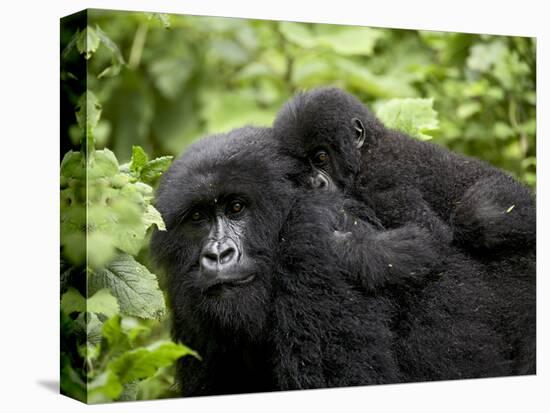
[223, 218]
[218, 227]
[325, 130]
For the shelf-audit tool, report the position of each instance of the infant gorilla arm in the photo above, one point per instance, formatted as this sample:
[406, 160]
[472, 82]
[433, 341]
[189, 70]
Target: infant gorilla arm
[377, 258]
[342, 144]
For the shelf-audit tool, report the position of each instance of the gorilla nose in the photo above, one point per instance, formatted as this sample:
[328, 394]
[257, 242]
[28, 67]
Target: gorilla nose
[320, 181]
[218, 255]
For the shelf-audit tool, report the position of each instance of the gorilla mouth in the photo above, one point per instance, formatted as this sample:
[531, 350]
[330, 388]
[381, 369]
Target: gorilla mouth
[241, 281]
[220, 284]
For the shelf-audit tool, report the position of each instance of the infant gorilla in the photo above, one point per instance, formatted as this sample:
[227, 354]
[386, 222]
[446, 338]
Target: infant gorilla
[258, 285]
[341, 144]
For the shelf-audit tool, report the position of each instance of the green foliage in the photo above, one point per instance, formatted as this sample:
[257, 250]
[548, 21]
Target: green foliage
[155, 83]
[415, 117]
[113, 324]
[190, 76]
[135, 288]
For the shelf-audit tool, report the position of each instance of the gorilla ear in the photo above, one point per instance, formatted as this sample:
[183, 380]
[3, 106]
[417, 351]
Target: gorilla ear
[359, 132]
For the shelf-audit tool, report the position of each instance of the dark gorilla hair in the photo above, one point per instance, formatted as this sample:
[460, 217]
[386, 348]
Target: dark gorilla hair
[341, 143]
[225, 320]
[267, 282]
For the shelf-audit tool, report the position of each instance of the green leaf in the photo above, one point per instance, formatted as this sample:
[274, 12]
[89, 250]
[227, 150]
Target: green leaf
[70, 46]
[109, 44]
[483, 56]
[117, 60]
[88, 42]
[92, 325]
[72, 301]
[102, 302]
[154, 169]
[298, 33]
[360, 77]
[129, 391]
[73, 235]
[152, 216]
[415, 117]
[71, 381]
[117, 214]
[348, 40]
[115, 336]
[344, 40]
[144, 362]
[163, 18]
[101, 248]
[73, 166]
[103, 164]
[468, 108]
[88, 110]
[103, 388]
[138, 160]
[135, 288]
[170, 74]
[88, 113]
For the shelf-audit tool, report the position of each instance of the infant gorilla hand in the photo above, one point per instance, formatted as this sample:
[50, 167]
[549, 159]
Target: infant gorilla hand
[379, 258]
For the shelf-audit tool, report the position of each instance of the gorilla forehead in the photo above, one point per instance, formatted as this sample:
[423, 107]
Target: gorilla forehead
[321, 115]
[244, 160]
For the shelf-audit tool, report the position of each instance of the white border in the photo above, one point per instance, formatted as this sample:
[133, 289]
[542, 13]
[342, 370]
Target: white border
[29, 99]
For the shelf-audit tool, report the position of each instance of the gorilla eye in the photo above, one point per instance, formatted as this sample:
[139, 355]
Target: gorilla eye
[196, 216]
[236, 207]
[320, 158]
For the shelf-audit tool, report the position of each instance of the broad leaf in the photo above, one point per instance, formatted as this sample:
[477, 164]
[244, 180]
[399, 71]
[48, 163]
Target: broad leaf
[102, 302]
[144, 362]
[135, 288]
[152, 216]
[164, 19]
[88, 42]
[109, 44]
[348, 40]
[103, 164]
[415, 117]
[90, 323]
[139, 159]
[73, 166]
[72, 301]
[154, 169]
[359, 77]
[344, 40]
[298, 33]
[88, 113]
[105, 387]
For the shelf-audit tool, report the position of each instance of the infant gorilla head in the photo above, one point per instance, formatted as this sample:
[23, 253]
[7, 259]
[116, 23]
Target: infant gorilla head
[325, 129]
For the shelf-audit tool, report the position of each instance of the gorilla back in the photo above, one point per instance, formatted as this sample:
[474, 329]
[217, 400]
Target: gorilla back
[342, 144]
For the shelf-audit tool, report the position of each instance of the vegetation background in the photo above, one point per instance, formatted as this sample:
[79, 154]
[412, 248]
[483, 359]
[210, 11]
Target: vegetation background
[138, 88]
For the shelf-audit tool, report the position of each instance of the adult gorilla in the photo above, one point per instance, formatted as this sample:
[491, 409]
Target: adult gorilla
[262, 287]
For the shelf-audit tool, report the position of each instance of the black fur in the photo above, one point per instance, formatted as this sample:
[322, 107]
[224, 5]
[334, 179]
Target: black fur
[307, 320]
[486, 208]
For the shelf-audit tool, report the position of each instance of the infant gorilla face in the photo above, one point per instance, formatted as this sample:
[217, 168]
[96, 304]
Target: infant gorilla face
[324, 131]
[326, 162]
